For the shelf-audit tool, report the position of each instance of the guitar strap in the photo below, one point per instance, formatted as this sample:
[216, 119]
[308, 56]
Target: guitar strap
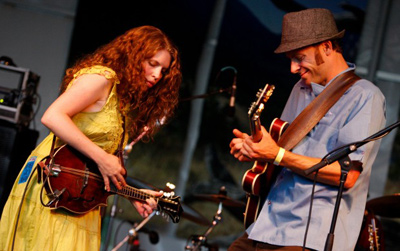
[314, 112]
[120, 151]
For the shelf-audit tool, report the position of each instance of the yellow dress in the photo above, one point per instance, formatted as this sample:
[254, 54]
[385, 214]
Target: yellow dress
[41, 228]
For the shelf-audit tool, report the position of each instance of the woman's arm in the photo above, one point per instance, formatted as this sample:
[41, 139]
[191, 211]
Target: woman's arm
[88, 93]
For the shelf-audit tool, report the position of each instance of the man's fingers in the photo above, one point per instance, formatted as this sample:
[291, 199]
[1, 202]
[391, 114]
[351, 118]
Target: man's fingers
[239, 134]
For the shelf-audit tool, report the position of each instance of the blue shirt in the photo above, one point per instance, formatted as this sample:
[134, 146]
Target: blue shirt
[358, 114]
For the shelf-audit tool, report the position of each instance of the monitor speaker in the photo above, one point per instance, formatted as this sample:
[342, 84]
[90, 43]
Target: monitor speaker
[16, 144]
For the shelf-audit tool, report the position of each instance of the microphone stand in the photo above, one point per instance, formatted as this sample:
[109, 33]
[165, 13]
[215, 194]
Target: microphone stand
[230, 90]
[206, 95]
[132, 233]
[345, 165]
[342, 156]
[114, 207]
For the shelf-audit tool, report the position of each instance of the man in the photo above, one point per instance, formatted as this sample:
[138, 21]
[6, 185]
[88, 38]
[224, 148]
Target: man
[310, 41]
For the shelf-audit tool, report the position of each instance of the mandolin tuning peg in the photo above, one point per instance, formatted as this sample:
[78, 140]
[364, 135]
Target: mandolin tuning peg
[170, 186]
[165, 216]
[169, 190]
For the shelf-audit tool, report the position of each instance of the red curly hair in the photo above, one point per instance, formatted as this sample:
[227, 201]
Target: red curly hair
[143, 107]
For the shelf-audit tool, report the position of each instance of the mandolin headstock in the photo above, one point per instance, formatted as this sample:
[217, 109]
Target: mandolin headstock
[170, 204]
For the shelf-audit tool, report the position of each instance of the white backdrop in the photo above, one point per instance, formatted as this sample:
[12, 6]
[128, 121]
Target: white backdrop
[36, 35]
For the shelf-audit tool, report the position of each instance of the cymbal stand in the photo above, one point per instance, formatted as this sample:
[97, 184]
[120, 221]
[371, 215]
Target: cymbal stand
[133, 232]
[201, 240]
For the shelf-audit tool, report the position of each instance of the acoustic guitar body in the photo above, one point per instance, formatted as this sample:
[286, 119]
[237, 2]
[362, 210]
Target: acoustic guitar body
[258, 180]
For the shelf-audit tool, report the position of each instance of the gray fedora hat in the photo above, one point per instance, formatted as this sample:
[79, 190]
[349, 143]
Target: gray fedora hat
[307, 27]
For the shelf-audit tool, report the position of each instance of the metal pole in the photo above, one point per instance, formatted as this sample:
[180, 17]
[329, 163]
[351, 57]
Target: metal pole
[380, 34]
[201, 83]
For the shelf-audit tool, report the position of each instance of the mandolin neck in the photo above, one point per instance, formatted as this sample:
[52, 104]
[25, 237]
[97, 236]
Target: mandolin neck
[133, 193]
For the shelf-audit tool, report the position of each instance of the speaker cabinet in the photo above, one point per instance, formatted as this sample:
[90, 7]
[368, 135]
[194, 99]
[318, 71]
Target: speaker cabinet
[16, 144]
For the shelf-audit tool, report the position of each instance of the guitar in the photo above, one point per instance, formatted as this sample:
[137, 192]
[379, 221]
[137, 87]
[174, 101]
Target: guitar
[371, 236]
[257, 181]
[73, 182]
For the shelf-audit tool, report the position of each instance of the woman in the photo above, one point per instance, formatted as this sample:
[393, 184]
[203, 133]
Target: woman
[124, 88]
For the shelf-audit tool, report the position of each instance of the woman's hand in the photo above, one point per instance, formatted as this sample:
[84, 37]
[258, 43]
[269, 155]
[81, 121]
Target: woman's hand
[111, 169]
[147, 207]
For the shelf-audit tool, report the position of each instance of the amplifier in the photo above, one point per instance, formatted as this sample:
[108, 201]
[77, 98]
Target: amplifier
[18, 88]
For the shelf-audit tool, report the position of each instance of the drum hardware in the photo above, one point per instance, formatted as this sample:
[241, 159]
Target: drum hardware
[195, 242]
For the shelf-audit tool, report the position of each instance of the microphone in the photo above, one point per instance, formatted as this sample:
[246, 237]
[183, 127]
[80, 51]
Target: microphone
[231, 106]
[153, 235]
[332, 157]
[341, 152]
[231, 109]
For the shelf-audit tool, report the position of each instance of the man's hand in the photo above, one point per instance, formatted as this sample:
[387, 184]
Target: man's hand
[236, 145]
[244, 149]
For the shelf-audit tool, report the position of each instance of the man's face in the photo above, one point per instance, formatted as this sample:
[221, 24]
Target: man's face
[308, 62]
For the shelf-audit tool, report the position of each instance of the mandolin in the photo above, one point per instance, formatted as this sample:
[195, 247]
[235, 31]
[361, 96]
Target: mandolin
[73, 182]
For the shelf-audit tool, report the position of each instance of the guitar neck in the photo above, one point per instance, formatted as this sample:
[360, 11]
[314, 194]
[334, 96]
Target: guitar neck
[255, 126]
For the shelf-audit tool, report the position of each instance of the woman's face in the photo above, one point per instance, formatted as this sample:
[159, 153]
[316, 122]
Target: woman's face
[155, 67]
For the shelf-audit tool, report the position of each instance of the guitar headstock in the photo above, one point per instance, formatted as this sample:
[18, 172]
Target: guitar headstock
[373, 236]
[262, 97]
[255, 111]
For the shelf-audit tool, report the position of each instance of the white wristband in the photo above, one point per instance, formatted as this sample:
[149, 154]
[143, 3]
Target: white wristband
[279, 156]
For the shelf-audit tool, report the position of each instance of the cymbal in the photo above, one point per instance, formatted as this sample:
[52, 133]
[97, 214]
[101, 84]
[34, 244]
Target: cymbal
[386, 206]
[217, 198]
[191, 214]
